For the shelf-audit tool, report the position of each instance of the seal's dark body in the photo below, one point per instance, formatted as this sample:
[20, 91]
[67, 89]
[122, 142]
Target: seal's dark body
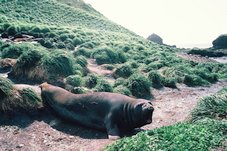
[101, 110]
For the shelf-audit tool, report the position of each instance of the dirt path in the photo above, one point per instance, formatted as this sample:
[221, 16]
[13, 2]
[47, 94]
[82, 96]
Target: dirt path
[43, 132]
[93, 67]
[174, 105]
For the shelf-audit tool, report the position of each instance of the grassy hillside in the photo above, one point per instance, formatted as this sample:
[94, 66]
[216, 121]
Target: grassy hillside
[70, 32]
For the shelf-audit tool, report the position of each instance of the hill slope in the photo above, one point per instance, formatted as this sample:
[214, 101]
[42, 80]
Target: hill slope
[70, 32]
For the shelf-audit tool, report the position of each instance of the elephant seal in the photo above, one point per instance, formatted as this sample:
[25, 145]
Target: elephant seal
[115, 113]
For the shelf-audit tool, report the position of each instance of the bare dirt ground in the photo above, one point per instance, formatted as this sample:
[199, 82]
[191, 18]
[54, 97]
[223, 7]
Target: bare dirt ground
[195, 58]
[93, 67]
[45, 131]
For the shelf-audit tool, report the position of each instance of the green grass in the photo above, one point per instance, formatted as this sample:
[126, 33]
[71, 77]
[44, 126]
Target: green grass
[6, 87]
[124, 71]
[202, 135]
[214, 106]
[122, 90]
[74, 80]
[103, 86]
[139, 85]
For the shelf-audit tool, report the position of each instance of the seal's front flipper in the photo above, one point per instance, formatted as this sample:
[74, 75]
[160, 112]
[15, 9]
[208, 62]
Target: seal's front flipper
[113, 132]
[112, 128]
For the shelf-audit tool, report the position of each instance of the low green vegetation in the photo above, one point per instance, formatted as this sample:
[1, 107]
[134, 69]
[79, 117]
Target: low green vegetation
[204, 135]
[122, 90]
[206, 130]
[124, 71]
[74, 80]
[139, 85]
[214, 106]
[103, 86]
[106, 55]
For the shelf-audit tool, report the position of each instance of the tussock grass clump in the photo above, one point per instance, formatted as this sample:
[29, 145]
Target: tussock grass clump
[77, 41]
[169, 82]
[29, 59]
[58, 63]
[122, 90]
[74, 80]
[37, 64]
[105, 55]
[13, 51]
[120, 81]
[193, 80]
[124, 71]
[91, 80]
[79, 90]
[81, 60]
[30, 99]
[139, 86]
[28, 66]
[6, 87]
[82, 51]
[201, 135]
[155, 79]
[103, 86]
[13, 100]
[154, 66]
[206, 75]
[214, 106]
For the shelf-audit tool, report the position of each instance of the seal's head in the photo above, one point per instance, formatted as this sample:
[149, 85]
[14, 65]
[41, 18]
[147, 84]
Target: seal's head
[145, 111]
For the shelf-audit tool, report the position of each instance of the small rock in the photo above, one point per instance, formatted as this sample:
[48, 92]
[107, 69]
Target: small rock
[45, 141]
[71, 137]
[20, 146]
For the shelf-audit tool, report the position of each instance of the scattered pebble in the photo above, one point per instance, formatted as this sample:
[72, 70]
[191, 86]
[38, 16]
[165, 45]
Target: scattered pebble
[20, 146]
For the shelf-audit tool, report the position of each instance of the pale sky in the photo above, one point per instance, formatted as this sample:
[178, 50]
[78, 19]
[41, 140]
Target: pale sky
[185, 23]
